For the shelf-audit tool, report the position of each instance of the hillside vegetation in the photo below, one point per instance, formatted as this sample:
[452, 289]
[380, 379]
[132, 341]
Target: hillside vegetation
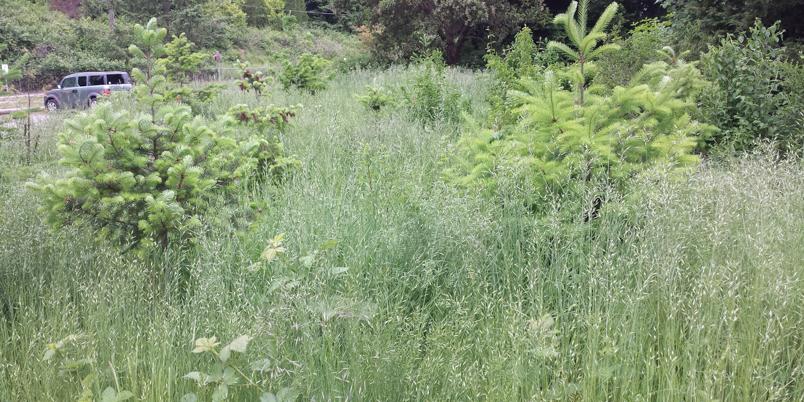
[617, 228]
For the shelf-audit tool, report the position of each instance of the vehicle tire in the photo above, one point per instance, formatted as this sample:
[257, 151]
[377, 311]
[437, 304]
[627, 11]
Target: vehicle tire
[92, 102]
[51, 105]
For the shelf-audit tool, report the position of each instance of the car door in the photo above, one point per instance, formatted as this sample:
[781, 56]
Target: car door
[83, 91]
[68, 95]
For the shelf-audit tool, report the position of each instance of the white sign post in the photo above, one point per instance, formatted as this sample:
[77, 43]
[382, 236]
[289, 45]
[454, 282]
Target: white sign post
[218, 58]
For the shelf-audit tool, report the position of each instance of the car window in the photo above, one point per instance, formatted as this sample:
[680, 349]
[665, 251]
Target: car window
[96, 80]
[82, 81]
[68, 82]
[115, 79]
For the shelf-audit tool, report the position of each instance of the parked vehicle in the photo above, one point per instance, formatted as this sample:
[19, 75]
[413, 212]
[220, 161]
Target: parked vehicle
[83, 89]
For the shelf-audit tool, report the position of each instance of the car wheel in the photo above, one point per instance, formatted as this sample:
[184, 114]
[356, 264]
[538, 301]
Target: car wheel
[93, 102]
[51, 104]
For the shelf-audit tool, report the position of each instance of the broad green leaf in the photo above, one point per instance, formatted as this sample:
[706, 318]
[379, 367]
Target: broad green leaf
[189, 398]
[224, 354]
[229, 376]
[268, 397]
[197, 376]
[216, 374]
[126, 395]
[88, 380]
[49, 354]
[262, 365]
[205, 344]
[239, 345]
[109, 395]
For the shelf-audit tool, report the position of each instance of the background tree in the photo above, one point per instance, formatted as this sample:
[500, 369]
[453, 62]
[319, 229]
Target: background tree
[180, 60]
[262, 13]
[702, 22]
[405, 27]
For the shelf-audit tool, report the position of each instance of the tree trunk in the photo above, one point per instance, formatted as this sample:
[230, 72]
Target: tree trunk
[111, 19]
[166, 13]
[454, 43]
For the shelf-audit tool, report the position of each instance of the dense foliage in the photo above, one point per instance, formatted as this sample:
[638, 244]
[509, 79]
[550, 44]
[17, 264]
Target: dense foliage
[702, 22]
[637, 48]
[754, 96]
[403, 28]
[308, 72]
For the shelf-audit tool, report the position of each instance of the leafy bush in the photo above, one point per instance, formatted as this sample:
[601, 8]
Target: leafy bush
[376, 98]
[429, 97]
[523, 59]
[308, 72]
[638, 49]
[749, 99]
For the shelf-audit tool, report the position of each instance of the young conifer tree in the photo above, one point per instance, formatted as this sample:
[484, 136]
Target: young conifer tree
[585, 42]
[146, 180]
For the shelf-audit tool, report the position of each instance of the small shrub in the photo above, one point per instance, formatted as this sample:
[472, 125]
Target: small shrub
[429, 97]
[143, 182]
[376, 98]
[308, 72]
[638, 49]
[523, 59]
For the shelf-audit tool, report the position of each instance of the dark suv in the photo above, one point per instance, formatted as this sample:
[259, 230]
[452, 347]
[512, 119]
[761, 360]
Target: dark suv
[83, 89]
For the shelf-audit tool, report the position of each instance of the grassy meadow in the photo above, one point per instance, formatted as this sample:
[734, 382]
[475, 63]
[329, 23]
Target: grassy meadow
[683, 289]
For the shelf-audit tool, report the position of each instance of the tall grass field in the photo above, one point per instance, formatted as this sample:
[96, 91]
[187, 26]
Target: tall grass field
[682, 289]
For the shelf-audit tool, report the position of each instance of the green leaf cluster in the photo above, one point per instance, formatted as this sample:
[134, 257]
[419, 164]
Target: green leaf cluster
[376, 98]
[250, 81]
[225, 374]
[263, 119]
[180, 61]
[750, 98]
[522, 59]
[429, 97]
[637, 49]
[586, 43]
[151, 80]
[308, 72]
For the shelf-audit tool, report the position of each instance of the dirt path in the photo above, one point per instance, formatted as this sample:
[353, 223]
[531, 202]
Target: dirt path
[12, 103]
